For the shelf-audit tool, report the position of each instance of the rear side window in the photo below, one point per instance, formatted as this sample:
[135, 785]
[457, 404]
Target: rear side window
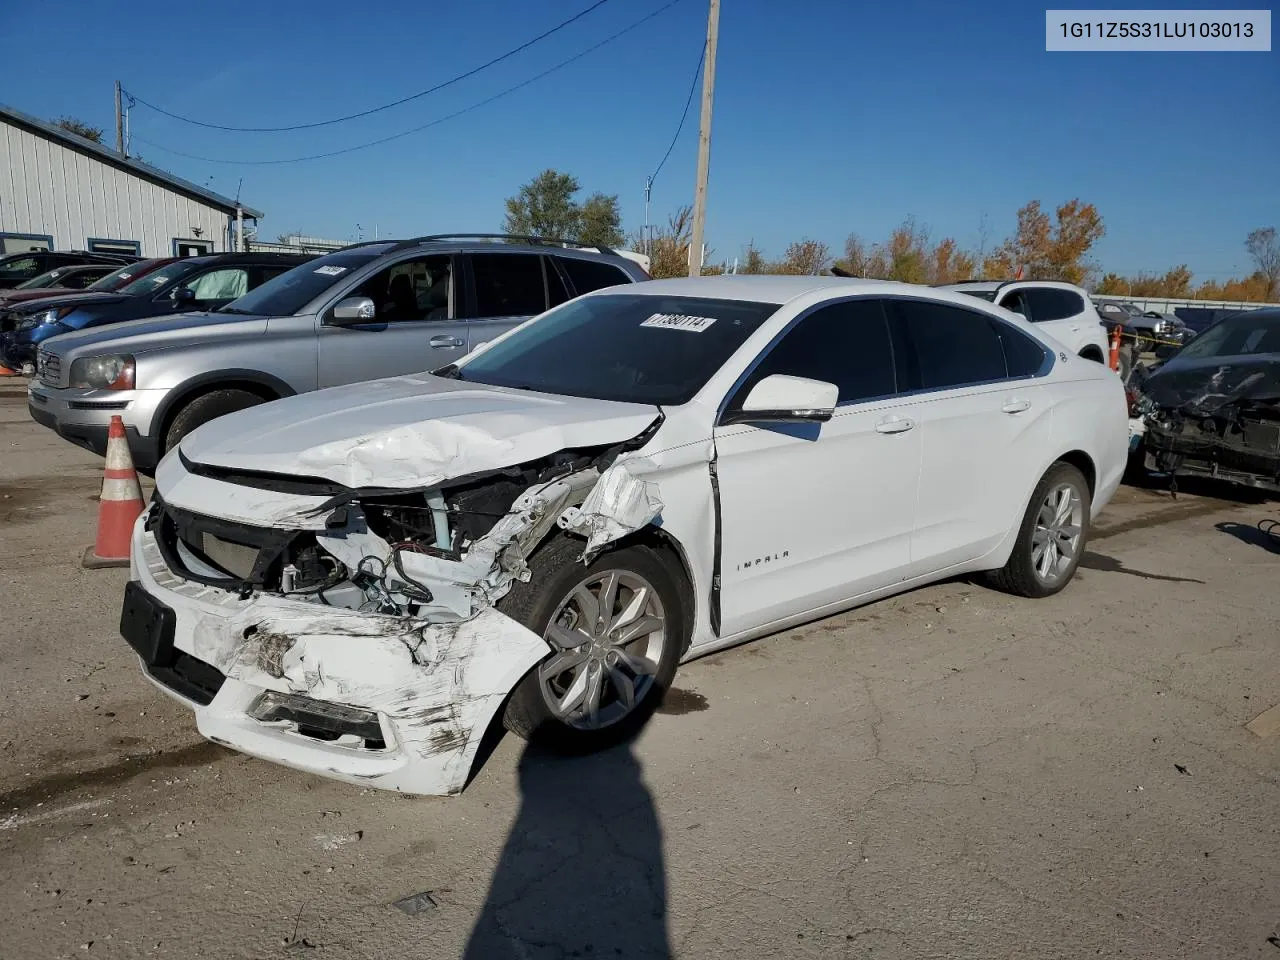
[1048, 303]
[1023, 356]
[845, 343]
[947, 346]
[588, 275]
[508, 284]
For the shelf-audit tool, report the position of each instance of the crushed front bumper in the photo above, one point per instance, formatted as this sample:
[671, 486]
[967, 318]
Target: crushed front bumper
[370, 699]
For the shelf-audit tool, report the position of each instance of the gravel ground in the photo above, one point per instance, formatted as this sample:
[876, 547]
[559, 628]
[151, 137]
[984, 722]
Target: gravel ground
[951, 773]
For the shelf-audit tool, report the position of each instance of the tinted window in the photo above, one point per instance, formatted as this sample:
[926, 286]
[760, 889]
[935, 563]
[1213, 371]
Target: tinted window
[417, 289]
[508, 284]
[846, 344]
[629, 347]
[557, 293]
[1050, 304]
[948, 346]
[1015, 303]
[153, 281]
[22, 268]
[981, 294]
[588, 275]
[1245, 333]
[1023, 356]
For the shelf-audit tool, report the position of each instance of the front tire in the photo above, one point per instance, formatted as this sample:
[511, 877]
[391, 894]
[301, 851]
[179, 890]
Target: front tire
[204, 408]
[617, 628]
[1052, 537]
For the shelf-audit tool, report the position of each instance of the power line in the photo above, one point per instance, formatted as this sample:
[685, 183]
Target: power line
[692, 87]
[432, 123]
[385, 106]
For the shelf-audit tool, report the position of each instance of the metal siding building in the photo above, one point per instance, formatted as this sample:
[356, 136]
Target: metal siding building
[61, 191]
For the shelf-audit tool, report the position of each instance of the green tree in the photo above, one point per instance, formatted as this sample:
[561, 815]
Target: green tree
[544, 207]
[599, 221]
[79, 128]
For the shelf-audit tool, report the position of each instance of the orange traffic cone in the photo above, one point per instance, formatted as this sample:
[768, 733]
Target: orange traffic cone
[118, 507]
[1113, 361]
[9, 371]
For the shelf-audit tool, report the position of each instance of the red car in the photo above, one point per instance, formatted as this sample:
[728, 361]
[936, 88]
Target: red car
[117, 278]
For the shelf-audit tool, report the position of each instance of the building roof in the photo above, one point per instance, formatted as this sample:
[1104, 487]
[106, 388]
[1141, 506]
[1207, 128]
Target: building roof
[100, 152]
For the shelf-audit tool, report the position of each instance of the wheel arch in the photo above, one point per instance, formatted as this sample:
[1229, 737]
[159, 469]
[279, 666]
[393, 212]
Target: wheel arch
[1084, 463]
[256, 382]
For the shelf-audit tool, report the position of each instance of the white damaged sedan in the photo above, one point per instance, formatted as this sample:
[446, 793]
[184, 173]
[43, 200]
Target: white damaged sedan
[359, 582]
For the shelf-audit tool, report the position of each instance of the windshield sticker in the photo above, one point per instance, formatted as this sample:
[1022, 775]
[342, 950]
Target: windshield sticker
[679, 321]
[331, 271]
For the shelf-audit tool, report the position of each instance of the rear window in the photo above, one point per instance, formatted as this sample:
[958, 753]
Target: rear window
[588, 275]
[625, 347]
[988, 295]
[1050, 303]
[286, 294]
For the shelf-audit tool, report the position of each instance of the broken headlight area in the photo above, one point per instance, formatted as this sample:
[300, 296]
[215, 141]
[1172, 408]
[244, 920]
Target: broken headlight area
[438, 554]
[1239, 442]
[320, 719]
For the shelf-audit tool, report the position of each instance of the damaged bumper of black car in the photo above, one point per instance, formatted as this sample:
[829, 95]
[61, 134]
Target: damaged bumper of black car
[1240, 444]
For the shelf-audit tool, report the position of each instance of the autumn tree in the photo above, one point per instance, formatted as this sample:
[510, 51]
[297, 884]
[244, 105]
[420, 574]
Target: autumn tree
[545, 207]
[79, 128]
[1049, 248]
[804, 258]
[1264, 247]
[753, 260]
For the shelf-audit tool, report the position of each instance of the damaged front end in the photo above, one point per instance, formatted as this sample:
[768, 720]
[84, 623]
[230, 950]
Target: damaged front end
[1223, 423]
[357, 636]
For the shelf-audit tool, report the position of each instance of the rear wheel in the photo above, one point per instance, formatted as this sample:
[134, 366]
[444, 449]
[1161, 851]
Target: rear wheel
[204, 408]
[617, 629]
[1052, 537]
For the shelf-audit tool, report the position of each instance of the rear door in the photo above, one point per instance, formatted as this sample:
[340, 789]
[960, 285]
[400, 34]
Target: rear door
[415, 327]
[506, 289]
[984, 424]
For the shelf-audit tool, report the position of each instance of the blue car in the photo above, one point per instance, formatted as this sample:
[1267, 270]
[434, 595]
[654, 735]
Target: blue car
[194, 283]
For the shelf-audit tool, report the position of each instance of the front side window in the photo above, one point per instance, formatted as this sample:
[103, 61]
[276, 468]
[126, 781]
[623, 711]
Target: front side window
[508, 284]
[588, 275]
[948, 346]
[845, 343]
[625, 347]
[225, 284]
[1050, 303]
[412, 290]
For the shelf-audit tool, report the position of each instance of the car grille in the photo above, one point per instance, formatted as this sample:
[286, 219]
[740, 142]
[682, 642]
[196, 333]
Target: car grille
[49, 367]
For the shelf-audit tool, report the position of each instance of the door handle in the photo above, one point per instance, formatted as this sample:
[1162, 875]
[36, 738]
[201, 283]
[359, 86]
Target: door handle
[894, 424]
[441, 342]
[1016, 405]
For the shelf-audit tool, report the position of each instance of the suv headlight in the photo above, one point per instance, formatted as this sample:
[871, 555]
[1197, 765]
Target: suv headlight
[111, 372]
[1163, 326]
[52, 316]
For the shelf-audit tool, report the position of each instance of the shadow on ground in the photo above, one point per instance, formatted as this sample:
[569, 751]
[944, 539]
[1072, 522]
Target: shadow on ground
[582, 873]
[1264, 534]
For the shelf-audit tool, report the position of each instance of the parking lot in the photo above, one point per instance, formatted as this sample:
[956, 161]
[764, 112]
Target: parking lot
[951, 773]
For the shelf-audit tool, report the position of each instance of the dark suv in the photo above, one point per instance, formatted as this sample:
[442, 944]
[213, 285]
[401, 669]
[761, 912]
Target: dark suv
[193, 283]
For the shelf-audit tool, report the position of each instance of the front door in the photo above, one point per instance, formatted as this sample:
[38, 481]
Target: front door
[414, 328]
[815, 514]
[984, 424]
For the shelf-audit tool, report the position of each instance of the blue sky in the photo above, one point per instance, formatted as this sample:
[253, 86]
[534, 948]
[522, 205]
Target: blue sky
[830, 117]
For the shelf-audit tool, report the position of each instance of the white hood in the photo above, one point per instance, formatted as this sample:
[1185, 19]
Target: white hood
[409, 431]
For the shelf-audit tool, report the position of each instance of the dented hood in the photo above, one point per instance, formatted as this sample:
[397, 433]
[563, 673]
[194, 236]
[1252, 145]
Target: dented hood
[1202, 386]
[409, 431]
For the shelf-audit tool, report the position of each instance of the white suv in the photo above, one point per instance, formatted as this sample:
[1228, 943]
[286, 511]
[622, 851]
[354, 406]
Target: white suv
[1061, 310]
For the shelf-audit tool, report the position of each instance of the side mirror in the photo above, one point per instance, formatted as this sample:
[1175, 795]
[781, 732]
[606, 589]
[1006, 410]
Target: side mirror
[780, 398]
[353, 310]
[184, 295]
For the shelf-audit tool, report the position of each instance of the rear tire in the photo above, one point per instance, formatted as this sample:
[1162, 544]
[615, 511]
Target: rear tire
[204, 408]
[540, 708]
[1056, 523]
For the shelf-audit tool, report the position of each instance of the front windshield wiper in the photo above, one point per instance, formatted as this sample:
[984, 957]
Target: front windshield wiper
[449, 372]
[232, 310]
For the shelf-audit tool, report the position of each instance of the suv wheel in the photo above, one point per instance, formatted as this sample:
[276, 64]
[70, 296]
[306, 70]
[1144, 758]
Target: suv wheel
[204, 408]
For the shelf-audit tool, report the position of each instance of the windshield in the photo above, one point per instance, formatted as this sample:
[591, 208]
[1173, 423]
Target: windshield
[118, 277]
[625, 347]
[1241, 335]
[286, 294]
[153, 281]
[44, 280]
[989, 295]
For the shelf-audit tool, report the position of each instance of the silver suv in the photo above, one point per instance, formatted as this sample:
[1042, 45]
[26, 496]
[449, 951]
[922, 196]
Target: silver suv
[367, 311]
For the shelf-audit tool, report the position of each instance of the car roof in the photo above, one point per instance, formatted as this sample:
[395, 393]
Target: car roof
[760, 288]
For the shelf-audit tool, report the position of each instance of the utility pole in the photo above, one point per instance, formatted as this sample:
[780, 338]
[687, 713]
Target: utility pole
[119, 122]
[696, 247]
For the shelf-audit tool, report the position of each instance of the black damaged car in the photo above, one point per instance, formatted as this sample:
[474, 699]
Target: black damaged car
[1213, 410]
